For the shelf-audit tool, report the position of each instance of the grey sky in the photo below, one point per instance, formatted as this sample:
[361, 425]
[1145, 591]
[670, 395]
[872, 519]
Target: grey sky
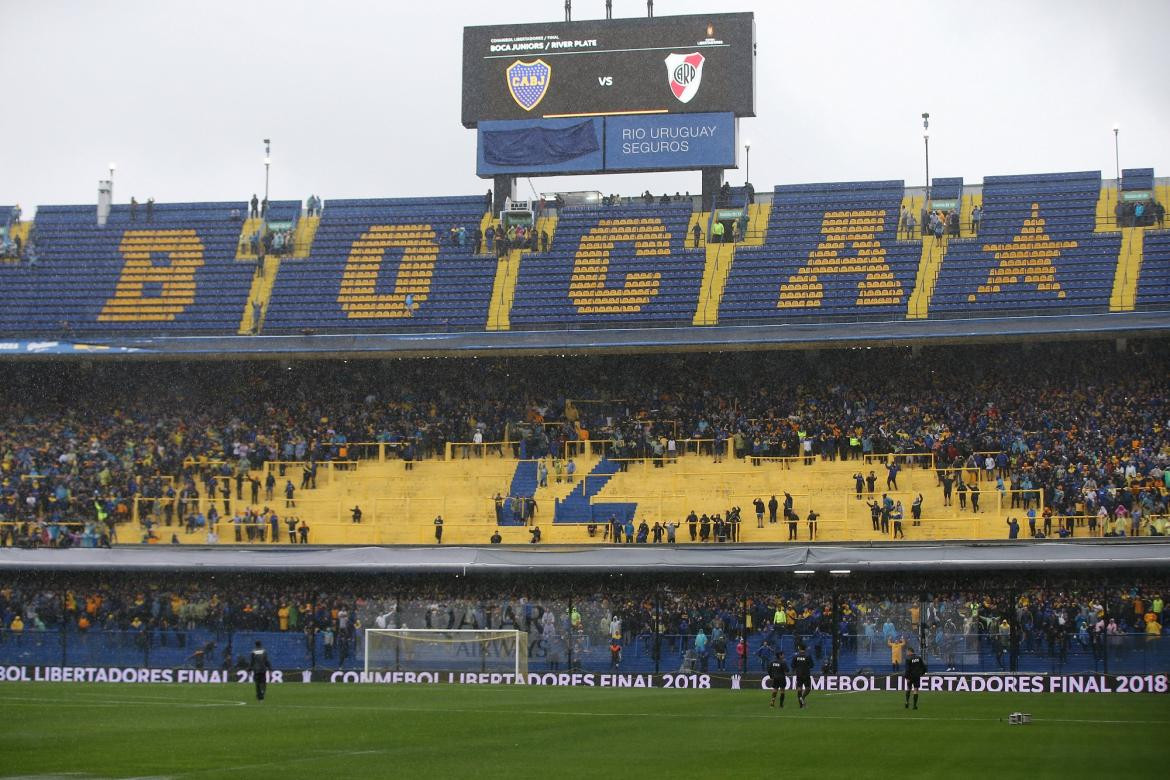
[361, 97]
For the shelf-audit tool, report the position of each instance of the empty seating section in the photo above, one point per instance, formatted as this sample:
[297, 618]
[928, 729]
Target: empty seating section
[169, 268]
[737, 198]
[831, 251]
[284, 210]
[1137, 178]
[387, 264]
[612, 265]
[946, 189]
[1153, 288]
[1036, 250]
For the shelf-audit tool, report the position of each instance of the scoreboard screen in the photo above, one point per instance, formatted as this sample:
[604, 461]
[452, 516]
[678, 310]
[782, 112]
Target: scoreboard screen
[558, 70]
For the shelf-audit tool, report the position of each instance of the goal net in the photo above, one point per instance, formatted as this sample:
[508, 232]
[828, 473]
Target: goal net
[438, 650]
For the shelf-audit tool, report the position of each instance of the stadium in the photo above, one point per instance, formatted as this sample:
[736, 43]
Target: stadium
[853, 475]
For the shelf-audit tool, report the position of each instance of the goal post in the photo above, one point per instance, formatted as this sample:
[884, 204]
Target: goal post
[440, 650]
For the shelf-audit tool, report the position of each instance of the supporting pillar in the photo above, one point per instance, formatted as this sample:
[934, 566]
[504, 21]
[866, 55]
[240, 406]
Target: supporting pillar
[503, 187]
[712, 181]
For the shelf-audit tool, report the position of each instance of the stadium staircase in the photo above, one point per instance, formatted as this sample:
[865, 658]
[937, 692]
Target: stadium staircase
[306, 230]
[914, 204]
[508, 272]
[485, 222]
[715, 271]
[547, 224]
[278, 211]
[933, 250]
[721, 257]
[1106, 211]
[21, 230]
[703, 220]
[757, 225]
[244, 247]
[970, 201]
[504, 291]
[262, 283]
[1129, 269]
[261, 291]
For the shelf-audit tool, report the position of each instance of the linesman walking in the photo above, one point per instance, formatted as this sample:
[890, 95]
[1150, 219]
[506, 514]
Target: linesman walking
[802, 665]
[778, 675]
[260, 666]
[915, 671]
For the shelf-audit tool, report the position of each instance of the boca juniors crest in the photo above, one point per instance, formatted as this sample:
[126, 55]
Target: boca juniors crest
[685, 74]
[528, 82]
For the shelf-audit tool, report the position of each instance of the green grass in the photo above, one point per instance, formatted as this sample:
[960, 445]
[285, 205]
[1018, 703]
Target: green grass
[365, 731]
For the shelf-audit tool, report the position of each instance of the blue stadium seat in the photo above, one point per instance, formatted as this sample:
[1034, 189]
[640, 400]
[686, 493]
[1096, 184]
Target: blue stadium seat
[369, 254]
[612, 265]
[1036, 250]
[1153, 289]
[831, 252]
[175, 273]
[946, 189]
[1137, 178]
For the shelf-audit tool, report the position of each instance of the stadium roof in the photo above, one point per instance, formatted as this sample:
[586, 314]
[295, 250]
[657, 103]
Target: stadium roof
[790, 559]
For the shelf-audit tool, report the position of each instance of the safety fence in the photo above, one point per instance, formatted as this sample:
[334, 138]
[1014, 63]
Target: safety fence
[580, 633]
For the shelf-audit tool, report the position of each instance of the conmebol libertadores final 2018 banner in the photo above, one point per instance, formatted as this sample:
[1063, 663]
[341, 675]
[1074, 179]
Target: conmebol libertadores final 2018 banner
[834, 683]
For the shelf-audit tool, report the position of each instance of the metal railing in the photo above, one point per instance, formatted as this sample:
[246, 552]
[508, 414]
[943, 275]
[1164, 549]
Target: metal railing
[651, 647]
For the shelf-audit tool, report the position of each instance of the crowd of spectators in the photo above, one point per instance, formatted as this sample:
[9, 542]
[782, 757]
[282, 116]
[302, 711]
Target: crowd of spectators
[12, 246]
[1079, 423]
[1140, 213]
[694, 621]
[269, 242]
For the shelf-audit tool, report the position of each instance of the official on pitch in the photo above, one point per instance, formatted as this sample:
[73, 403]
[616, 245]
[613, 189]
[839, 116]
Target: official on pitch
[260, 666]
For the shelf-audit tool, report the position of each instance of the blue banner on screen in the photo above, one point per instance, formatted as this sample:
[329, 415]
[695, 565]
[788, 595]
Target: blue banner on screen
[541, 146]
[669, 141]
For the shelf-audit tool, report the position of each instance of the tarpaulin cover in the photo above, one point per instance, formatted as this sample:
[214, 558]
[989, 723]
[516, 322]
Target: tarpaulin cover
[539, 145]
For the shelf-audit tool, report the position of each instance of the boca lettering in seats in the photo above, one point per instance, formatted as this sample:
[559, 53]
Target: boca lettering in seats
[358, 295]
[858, 231]
[157, 282]
[588, 285]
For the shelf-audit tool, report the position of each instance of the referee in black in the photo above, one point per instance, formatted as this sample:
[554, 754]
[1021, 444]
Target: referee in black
[802, 665]
[915, 671]
[778, 675]
[260, 666]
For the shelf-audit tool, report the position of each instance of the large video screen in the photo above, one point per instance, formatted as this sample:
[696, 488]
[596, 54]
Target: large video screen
[663, 65]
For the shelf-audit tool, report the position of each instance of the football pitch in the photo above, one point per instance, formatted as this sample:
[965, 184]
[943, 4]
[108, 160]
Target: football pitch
[359, 731]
